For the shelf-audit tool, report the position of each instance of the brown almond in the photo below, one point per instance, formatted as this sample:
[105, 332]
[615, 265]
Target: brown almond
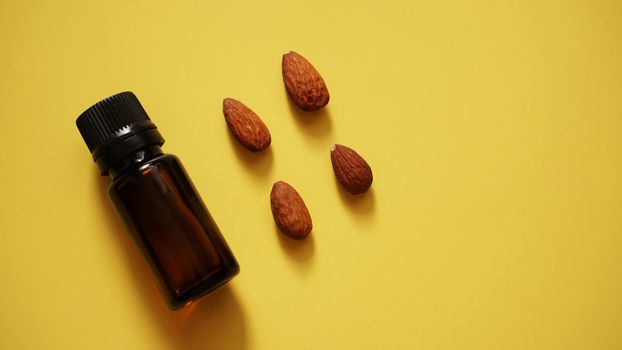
[351, 170]
[245, 125]
[289, 211]
[303, 83]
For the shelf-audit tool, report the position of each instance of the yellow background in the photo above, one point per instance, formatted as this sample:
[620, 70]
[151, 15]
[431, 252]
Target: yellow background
[494, 129]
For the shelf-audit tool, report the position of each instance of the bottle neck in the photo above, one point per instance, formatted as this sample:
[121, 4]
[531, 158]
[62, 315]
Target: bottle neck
[134, 160]
[128, 145]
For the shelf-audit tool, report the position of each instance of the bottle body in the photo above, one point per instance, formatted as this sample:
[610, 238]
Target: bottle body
[170, 224]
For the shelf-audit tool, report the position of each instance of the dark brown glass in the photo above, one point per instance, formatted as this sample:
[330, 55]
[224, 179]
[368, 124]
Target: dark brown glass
[162, 209]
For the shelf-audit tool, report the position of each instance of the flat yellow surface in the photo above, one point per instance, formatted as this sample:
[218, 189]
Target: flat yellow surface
[494, 129]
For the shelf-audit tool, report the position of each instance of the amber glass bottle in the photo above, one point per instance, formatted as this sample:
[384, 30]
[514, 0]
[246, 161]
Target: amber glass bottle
[157, 201]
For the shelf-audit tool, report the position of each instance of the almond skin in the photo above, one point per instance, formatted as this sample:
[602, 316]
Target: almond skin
[245, 125]
[351, 170]
[303, 83]
[289, 211]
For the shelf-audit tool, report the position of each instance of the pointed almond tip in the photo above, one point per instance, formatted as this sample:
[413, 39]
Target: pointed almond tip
[287, 57]
[277, 184]
[337, 147]
[291, 55]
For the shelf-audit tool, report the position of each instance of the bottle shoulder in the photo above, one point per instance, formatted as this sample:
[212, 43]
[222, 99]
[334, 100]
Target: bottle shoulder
[160, 162]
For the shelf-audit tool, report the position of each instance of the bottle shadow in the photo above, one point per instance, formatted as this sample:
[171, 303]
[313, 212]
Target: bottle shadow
[215, 321]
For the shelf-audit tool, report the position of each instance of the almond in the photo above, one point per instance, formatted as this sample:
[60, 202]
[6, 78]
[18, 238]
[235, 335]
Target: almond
[303, 83]
[351, 170]
[289, 211]
[245, 125]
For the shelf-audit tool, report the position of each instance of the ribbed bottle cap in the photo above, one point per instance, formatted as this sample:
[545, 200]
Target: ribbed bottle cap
[117, 124]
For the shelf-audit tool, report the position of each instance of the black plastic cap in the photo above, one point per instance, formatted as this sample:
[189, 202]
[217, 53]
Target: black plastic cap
[115, 127]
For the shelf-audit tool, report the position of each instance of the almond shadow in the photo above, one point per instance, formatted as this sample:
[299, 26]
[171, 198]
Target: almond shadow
[362, 205]
[300, 252]
[316, 124]
[258, 163]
